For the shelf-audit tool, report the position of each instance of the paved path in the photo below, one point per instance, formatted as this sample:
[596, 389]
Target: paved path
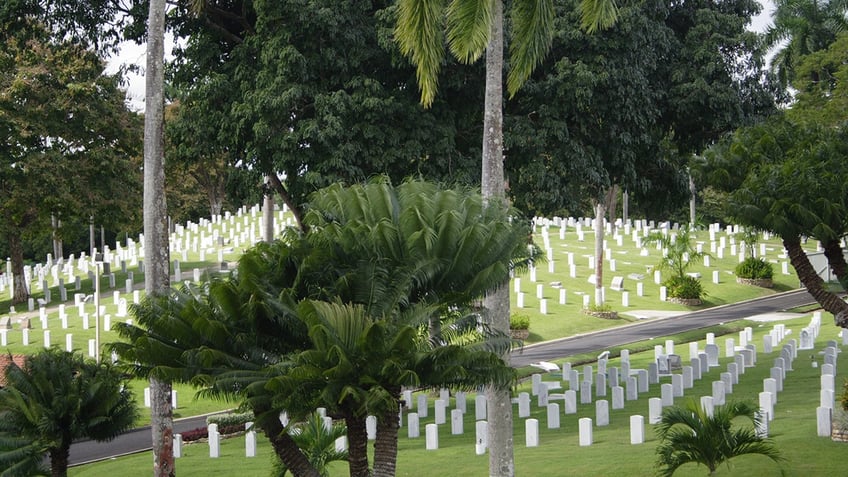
[600, 340]
[139, 440]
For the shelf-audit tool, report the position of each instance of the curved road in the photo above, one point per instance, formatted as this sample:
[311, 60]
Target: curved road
[622, 335]
[139, 440]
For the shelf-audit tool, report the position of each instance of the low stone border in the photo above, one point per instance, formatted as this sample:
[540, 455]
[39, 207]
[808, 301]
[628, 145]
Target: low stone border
[757, 282]
[519, 334]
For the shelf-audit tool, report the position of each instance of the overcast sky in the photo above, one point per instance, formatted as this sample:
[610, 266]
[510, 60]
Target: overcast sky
[131, 53]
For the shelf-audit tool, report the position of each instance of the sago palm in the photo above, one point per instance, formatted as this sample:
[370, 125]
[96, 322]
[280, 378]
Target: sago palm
[54, 398]
[689, 434]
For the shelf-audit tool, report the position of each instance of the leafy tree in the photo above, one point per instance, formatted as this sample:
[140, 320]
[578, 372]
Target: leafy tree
[689, 434]
[794, 188]
[678, 255]
[311, 113]
[69, 141]
[822, 85]
[203, 180]
[802, 27]
[620, 108]
[55, 398]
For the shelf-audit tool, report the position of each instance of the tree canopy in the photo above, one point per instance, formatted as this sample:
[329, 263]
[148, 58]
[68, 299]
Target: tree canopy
[70, 144]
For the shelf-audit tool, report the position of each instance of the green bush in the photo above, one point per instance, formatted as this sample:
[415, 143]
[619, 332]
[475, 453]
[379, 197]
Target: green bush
[230, 419]
[754, 269]
[605, 308]
[519, 322]
[685, 287]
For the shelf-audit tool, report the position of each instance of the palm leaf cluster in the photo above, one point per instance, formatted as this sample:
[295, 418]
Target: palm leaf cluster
[317, 439]
[689, 434]
[54, 398]
[377, 296]
[425, 26]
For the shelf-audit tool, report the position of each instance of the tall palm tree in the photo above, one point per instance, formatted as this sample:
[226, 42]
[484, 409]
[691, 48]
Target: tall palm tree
[54, 398]
[802, 27]
[472, 27]
[689, 434]
[157, 257]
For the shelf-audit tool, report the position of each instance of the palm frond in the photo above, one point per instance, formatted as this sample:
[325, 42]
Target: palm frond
[533, 28]
[420, 35]
[469, 24]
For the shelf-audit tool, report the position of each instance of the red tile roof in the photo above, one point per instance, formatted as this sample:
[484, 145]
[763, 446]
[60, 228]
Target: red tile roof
[6, 360]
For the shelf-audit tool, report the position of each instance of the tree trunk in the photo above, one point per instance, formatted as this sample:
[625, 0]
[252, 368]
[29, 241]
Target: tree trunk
[836, 259]
[91, 243]
[357, 446]
[611, 203]
[286, 449]
[625, 206]
[814, 283]
[501, 459]
[16, 250]
[156, 276]
[599, 253]
[386, 444]
[693, 194]
[268, 214]
[59, 461]
[295, 210]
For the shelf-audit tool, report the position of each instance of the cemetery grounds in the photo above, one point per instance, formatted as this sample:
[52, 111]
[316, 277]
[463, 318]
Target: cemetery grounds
[200, 248]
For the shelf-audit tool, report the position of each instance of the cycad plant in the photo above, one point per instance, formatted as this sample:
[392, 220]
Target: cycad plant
[318, 441]
[54, 398]
[690, 434]
[678, 257]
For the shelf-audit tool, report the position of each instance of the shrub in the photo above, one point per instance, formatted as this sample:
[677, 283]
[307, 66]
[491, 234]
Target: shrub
[519, 322]
[754, 269]
[685, 287]
[195, 434]
[605, 308]
[230, 419]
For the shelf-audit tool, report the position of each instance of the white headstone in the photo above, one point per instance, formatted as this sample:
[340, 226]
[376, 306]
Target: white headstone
[585, 428]
[637, 429]
[602, 412]
[432, 436]
[481, 436]
[655, 406]
[553, 416]
[413, 428]
[531, 432]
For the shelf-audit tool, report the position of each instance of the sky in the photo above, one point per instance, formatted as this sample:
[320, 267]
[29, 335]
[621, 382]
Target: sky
[132, 53]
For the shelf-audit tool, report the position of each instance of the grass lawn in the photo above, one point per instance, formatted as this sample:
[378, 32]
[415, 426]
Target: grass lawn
[559, 454]
[793, 430]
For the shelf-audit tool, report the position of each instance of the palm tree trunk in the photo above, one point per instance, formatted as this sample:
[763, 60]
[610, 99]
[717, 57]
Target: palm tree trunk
[814, 283]
[157, 275]
[59, 461]
[286, 449]
[357, 446]
[501, 459]
[385, 446]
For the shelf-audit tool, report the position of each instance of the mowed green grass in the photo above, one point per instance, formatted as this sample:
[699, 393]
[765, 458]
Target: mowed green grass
[793, 430]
